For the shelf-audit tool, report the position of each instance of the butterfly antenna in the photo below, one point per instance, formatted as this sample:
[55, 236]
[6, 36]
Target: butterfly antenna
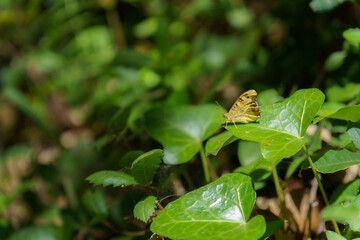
[219, 105]
[167, 197]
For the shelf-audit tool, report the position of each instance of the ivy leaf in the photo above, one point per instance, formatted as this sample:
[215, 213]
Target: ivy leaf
[214, 144]
[333, 161]
[182, 129]
[324, 5]
[282, 125]
[348, 113]
[144, 167]
[114, 178]
[145, 208]
[219, 210]
[344, 213]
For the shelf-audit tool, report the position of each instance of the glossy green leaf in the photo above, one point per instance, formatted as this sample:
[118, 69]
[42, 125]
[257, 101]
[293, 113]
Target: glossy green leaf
[324, 5]
[219, 210]
[334, 236]
[95, 204]
[346, 192]
[145, 208]
[271, 228]
[214, 144]
[348, 113]
[38, 233]
[354, 135]
[333, 160]
[347, 213]
[114, 178]
[282, 125]
[182, 129]
[144, 167]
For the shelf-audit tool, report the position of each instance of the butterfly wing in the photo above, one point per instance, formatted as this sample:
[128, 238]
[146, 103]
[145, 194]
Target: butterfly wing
[245, 109]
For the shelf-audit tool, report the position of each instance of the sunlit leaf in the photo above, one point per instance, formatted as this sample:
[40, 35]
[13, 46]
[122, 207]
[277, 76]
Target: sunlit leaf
[145, 208]
[219, 210]
[282, 125]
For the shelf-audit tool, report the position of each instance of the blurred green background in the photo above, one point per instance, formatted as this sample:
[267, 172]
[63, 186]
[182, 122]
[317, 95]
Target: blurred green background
[76, 78]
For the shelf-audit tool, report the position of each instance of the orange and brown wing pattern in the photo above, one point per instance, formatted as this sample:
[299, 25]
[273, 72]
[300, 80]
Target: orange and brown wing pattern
[245, 108]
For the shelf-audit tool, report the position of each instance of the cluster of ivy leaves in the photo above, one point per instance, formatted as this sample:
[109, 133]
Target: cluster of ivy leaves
[122, 93]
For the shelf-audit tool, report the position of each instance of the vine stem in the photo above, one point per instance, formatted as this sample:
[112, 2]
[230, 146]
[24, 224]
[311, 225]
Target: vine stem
[321, 187]
[278, 188]
[205, 163]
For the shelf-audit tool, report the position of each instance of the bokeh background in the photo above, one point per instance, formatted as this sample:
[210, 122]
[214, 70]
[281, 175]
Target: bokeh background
[76, 78]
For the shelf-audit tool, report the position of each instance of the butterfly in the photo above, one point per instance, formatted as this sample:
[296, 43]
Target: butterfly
[244, 110]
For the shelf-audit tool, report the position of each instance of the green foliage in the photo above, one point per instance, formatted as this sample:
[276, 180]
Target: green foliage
[182, 129]
[95, 204]
[332, 160]
[103, 85]
[145, 208]
[334, 236]
[352, 35]
[220, 210]
[40, 233]
[324, 5]
[349, 113]
[114, 178]
[144, 167]
[271, 228]
[354, 135]
[214, 144]
[282, 125]
[346, 192]
[347, 213]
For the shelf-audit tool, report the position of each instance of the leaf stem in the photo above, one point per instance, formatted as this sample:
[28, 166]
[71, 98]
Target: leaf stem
[321, 187]
[279, 191]
[205, 163]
